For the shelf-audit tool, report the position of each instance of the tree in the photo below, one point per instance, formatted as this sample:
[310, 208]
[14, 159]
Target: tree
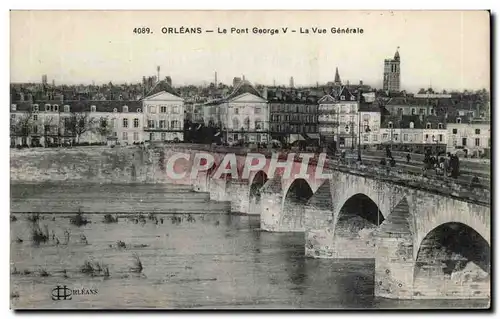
[421, 91]
[80, 123]
[104, 129]
[21, 125]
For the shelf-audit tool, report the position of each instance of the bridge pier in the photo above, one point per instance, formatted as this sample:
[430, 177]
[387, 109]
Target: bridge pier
[239, 196]
[271, 203]
[394, 266]
[319, 224]
[201, 183]
[218, 190]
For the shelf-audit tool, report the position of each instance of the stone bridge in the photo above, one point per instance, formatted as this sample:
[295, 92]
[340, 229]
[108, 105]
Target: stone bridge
[429, 238]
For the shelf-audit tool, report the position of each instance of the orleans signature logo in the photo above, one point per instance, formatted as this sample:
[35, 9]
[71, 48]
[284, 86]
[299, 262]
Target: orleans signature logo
[65, 293]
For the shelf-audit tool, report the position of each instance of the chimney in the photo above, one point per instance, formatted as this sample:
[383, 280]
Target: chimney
[360, 83]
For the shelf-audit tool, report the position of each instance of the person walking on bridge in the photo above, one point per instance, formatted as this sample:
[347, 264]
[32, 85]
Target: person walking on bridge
[408, 158]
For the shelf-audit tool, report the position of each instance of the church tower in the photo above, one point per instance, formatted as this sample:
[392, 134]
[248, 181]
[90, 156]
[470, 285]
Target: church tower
[392, 73]
[337, 80]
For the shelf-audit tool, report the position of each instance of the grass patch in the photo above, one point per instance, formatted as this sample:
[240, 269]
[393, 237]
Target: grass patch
[38, 236]
[79, 219]
[137, 264]
[94, 268]
[108, 218]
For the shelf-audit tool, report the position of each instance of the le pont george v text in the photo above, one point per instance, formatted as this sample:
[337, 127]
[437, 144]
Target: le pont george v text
[258, 30]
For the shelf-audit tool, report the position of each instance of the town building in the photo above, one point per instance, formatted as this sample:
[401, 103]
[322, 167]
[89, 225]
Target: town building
[369, 123]
[338, 118]
[392, 73]
[469, 135]
[163, 110]
[414, 133]
[243, 115]
[293, 116]
[47, 123]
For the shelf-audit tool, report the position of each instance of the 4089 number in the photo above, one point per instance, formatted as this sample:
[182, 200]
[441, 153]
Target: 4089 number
[143, 30]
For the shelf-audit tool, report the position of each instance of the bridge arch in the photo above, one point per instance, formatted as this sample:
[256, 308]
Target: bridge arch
[256, 184]
[356, 220]
[294, 203]
[454, 260]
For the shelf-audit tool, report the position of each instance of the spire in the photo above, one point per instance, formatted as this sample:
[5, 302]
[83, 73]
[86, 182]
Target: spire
[337, 77]
[396, 55]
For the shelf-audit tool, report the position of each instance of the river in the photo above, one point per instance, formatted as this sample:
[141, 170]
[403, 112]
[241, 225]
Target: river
[198, 260]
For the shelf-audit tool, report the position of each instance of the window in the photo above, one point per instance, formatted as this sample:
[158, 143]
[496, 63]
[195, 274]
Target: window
[47, 107]
[459, 120]
[432, 111]
[478, 142]
[92, 108]
[440, 126]
[35, 108]
[173, 125]
[115, 110]
[125, 123]
[375, 137]
[139, 110]
[353, 98]
[440, 137]
[400, 110]
[163, 109]
[390, 125]
[257, 110]
[396, 137]
[125, 109]
[56, 107]
[125, 136]
[412, 125]
[413, 111]
[426, 137]
[66, 108]
[13, 107]
[35, 129]
[175, 109]
[162, 123]
[422, 111]
[454, 131]
[136, 122]
[13, 116]
[464, 141]
[347, 128]
[163, 136]
[428, 125]
[258, 125]
[151, 136]
[236, 110]
[35, 117]
[478, 131]
[365, 137]
[136, 136]
[152, 109]
[385, 136]
[236, 123]
[405, 137]
[151, 124]
[342, 98]
[115, 134]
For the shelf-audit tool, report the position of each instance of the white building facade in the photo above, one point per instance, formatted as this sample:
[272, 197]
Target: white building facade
[473, 137]
[163, 117]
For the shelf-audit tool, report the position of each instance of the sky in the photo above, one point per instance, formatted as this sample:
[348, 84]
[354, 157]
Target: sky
[443, 49]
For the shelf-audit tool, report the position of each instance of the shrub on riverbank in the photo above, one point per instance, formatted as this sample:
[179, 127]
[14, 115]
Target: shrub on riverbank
[108, 218]
[79, 219]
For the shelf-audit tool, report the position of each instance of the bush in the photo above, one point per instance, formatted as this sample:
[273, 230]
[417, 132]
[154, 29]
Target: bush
[19, 147]
[79, 219]
[108, 218]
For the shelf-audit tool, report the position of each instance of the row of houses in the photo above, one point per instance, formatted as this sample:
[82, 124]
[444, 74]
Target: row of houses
[340, 119]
